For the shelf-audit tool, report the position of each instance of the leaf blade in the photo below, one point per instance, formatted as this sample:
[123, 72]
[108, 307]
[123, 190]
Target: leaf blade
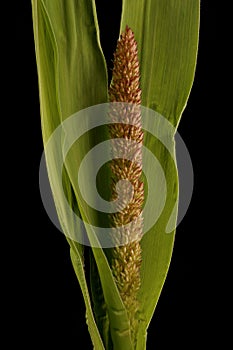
[167, 35]
[62, 74]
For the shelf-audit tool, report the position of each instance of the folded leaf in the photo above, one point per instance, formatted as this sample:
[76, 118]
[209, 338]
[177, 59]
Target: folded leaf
[68, 56]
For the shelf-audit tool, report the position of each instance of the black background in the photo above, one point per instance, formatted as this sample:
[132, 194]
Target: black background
[48, 303]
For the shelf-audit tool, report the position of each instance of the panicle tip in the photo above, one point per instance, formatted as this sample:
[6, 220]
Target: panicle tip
[128, 30]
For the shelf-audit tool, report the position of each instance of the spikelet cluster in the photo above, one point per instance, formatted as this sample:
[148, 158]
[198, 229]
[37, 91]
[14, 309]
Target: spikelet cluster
[125, 90]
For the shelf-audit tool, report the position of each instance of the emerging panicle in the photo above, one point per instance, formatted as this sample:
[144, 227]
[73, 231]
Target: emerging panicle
[125, 93]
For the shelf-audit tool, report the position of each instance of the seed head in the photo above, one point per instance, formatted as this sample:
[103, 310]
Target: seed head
[125, 95]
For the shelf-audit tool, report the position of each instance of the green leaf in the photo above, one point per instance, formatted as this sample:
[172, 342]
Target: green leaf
[68, 55]
[80, 273]
[167, 35]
